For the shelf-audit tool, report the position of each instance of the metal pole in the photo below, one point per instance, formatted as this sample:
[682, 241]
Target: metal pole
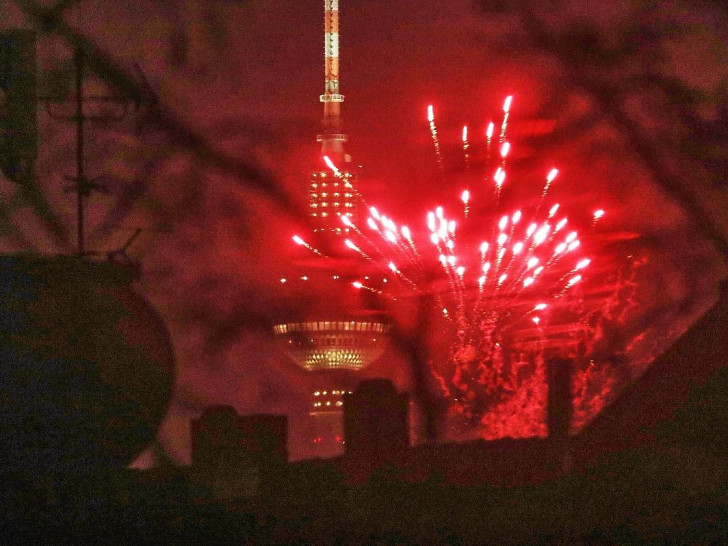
[80, 180]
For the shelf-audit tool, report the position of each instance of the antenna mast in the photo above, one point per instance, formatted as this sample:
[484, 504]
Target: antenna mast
[332, 140]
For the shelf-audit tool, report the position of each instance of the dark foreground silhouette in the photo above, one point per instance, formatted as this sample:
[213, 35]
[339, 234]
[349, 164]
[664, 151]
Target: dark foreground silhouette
[653, 467]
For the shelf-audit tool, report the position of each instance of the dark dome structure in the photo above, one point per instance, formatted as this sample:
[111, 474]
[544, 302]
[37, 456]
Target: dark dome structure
[87, 365]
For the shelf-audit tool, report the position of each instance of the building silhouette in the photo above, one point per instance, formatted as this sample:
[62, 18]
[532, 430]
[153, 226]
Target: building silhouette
[376, 419]
[237, 456]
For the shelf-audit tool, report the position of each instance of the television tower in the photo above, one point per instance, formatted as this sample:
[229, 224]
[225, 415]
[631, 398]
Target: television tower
[332, 191]
[341, 338]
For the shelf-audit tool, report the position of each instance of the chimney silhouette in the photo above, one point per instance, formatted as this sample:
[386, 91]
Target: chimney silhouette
[558, 406]
[375, 419]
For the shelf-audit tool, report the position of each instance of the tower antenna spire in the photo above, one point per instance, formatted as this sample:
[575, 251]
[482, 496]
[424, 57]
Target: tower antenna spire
[332, 140]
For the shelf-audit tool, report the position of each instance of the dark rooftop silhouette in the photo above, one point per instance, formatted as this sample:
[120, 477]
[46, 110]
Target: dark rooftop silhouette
[683, 389]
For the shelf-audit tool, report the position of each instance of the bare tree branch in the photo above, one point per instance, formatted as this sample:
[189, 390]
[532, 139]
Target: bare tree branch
[578, 62]
[247, 171]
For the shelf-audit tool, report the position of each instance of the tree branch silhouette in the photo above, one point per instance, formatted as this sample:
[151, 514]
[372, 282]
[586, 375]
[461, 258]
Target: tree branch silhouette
[247, 171]
[599, 68]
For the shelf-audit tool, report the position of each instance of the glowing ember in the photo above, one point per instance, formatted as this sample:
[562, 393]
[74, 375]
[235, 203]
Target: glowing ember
[507, 104]
[435, 138]
[330, 165]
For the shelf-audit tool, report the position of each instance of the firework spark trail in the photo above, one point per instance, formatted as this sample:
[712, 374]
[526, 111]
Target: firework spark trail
[499, 177]
[406, 233]
[549, 178]
[435, 138]
[390, 267]
[303, 243]
[361, 286]
[330, 165]
[465, 198]
[399, 274]
[504, 151]
[507, 269]
[346, 220]
[387, 230]
[488, 140]
[598, 214]
[344, 177]
[445, 258]
[413, 255]
[559, 252]
[506, 113]
[446, 235]
[466, 149]
[373, 225]
[358, 250]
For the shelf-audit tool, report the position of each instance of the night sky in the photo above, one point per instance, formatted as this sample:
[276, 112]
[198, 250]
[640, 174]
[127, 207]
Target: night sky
[245, 78]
